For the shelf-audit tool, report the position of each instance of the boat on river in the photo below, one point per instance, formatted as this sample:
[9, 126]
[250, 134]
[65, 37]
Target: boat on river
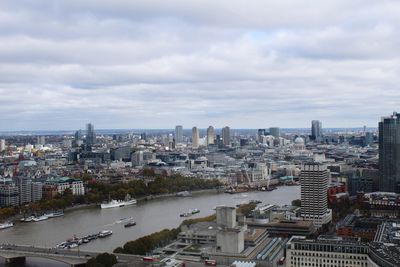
[6, 225]
[40, 218]
[119, 203]
[105, 233]
[129, 224]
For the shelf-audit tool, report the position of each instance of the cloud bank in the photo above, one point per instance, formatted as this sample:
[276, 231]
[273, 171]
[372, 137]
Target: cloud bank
[155, 64]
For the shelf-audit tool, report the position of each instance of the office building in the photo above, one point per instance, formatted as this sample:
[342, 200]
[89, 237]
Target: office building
[314, 199]
[9, 195]
[41, 140]
[260, 134]
[226, 136]
[210, 135]
[143, 136]
[62, 183]
[178, 134]
[274, 131]
[326, 253]
[90, 135]
[2, 145]
[195, 137]
[316, 130]
[389, 153]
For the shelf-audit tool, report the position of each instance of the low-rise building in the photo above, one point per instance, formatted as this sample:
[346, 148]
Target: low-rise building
[75, 185]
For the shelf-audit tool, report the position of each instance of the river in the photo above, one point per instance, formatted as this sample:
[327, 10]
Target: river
[150, 216]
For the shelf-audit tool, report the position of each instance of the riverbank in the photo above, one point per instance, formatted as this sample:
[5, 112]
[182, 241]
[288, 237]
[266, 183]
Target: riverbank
[150, 216]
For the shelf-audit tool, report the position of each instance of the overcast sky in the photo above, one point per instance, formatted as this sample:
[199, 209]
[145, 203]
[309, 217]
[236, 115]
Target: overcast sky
[155, 64]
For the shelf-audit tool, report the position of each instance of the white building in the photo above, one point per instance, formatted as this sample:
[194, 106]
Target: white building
[2, 145]
[210, 135]
[195, 137]
[326, 253]
[314, 198]
[63, 183]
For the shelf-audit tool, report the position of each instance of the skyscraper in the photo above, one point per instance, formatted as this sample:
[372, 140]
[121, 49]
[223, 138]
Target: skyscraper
[2, 145]
[178, 134]
[314, 198]
[274, 131]
[195, 137]
[226, 136]
[41, 140]
[316, 130]
[90, 135]
[389, 153]
[210, 135]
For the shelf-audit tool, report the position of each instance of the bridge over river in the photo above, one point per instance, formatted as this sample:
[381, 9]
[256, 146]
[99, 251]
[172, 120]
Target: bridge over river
[74, 258]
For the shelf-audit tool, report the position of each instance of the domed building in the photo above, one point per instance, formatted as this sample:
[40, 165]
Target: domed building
[299, 144]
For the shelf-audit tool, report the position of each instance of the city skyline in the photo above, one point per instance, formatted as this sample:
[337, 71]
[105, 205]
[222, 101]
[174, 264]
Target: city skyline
[138, 65]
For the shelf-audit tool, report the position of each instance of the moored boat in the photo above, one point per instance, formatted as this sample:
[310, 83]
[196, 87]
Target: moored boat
[55, 214]
[6, 225]
[40, 218]
[27, 219]
[119, 203]
[105, 233]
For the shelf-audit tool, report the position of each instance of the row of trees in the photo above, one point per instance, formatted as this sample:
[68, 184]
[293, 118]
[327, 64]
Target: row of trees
[98, 192]
[139, 188]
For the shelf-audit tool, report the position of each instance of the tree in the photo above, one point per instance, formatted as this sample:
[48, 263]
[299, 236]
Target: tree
[296, 203]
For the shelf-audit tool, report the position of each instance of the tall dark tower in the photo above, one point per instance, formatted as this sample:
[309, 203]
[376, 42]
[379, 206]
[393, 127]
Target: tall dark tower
[389, 153]
[90, 135]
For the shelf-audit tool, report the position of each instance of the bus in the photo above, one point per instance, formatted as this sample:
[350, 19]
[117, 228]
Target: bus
[281, 261]
[210, 262]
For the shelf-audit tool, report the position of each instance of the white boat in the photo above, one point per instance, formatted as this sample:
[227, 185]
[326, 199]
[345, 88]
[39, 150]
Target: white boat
[119, 203]
[54, 214]
[40, 218]
[105, 233]
[6, 225]
[27, 219]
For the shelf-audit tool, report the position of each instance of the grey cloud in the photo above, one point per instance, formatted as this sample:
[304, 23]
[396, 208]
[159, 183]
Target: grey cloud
[138, 64]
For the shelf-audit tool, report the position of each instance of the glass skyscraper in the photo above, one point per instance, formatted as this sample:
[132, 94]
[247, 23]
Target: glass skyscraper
[389, 153]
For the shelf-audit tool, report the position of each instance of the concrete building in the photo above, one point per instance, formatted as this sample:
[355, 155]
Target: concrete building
[389, 153]
[226, 136]
[230, 237]
[274, 131]
[210, 135]
[75, 185]
[195, 138]
[2, 145]
[178, 134]
[121, 153]
[314, 199]
[41, 140]
[138, 158]
[28, 190]
[326, 253]
[316, 130]
[9, 195]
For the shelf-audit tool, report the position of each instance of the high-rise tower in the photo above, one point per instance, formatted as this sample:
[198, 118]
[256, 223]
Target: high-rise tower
[2, 145]
[226, 136]
[210, 135]
[314, 198]
[389, 153]
[90, 135]
[316, 130]
[274, 131]
[178, 134]
[195, 137]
